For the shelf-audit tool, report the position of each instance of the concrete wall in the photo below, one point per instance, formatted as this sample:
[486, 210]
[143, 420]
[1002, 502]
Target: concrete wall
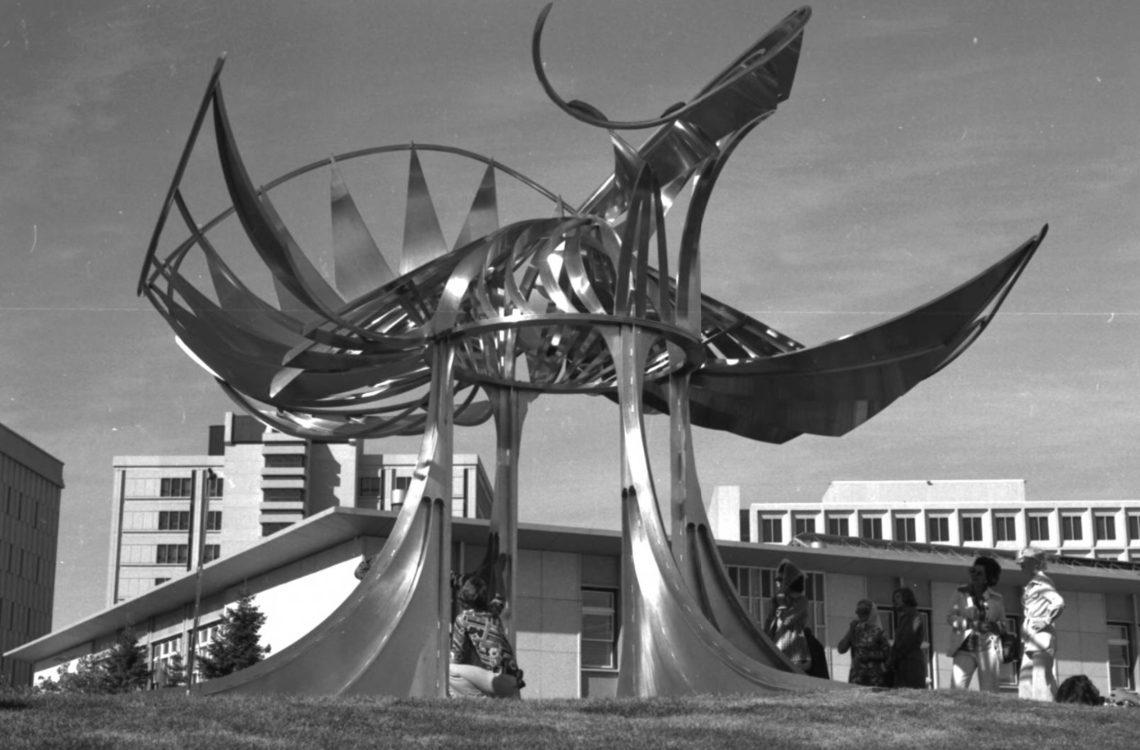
[548, 622]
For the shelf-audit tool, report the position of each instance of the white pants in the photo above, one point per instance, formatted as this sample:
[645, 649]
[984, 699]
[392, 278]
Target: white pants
[987, 663]
[469, 681]
[1037, 679]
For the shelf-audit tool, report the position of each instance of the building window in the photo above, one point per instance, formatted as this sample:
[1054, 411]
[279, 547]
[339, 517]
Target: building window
[173, 520]
[1071, 527]
[1005, 528]
[1038, 524]
[804, 525]
[213, 520]
[160, 581]
[871, 527]
[837, 526]
[1104, 526]
[745, 527]
[171, 554]
[1133, 527]
[971, 529]
[938, 528]
[284, 495]
[599, 629]
[370, 486]
[215, 485]
[211, 552]
[1120, 655]
[771, 530]
[285, 461]
[906, 529]
[176, 487]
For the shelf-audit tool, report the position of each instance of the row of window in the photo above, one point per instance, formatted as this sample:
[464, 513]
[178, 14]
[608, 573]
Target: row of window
[179, 554]
[938, 527]
[172, 486]
[179, 520]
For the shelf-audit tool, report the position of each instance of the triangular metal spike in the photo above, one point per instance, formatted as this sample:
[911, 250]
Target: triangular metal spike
[483, 218]
[423, 239]
[358, 265]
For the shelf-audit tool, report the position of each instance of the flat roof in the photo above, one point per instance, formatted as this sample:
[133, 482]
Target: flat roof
[334, 526]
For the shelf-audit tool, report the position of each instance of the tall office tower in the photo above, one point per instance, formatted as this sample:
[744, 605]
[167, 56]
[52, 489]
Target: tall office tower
[30, 485]
[169, 512]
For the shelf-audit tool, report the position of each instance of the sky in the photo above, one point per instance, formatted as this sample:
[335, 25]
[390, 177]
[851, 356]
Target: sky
[922, 142]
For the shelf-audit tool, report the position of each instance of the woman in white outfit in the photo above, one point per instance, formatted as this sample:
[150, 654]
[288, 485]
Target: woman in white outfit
[977, 616]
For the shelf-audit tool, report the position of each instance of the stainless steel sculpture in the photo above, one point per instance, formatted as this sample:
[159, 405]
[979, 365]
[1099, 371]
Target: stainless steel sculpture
[581, 303]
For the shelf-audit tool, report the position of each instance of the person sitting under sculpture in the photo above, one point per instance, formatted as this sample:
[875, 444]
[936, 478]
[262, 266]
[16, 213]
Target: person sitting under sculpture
[482, 660]
[789, 615]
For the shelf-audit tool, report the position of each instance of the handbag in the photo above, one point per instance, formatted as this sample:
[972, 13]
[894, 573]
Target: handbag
[1010, 648]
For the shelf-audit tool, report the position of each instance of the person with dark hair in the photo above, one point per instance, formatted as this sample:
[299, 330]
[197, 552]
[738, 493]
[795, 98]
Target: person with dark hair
[868, 645]
[1042, 606]
[482, 660]
[977, 616]
[907, 661]
[789, 615]
[1079, 689]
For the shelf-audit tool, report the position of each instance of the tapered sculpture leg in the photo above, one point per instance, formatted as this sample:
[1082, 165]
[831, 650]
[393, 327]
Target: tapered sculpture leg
[390, 637]
[668, 646]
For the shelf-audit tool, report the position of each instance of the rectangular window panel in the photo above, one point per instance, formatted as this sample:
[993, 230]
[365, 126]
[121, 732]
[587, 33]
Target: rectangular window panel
[1071, 528]
[872, 528]
[370, 486]
[283, 494]
[805, 526]
[176, 487]
[1120, 656]
[1133, 527]
[938, 528]
[771, 530]
[837, 526]
[1105, 527]
[598, 640]
[971, 529]
[285, 461]
[745, 531]
[213, 520]
[1005, 528]
[173, 520]
[906, 528]
[215, 486]
[211, 552]
[1038, 526]
[171, 554]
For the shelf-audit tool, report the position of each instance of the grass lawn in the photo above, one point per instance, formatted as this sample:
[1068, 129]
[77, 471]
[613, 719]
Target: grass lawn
[864, 720]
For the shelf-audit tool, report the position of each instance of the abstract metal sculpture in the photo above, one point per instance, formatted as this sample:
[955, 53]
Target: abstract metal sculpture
[581, 303]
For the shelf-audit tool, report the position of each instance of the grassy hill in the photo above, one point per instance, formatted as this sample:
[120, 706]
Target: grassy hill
[863, 720]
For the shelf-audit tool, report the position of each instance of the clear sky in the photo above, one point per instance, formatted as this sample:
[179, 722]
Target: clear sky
[922, 141]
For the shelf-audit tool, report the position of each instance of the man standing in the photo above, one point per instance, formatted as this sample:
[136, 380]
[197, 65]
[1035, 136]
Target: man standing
[1041, 606]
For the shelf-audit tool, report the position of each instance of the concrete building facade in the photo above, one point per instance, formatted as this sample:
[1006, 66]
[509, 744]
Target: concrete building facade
[31, 481]
[170, 512]
[986, 513]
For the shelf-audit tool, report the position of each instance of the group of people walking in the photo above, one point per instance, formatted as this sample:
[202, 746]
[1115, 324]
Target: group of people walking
[980, 639]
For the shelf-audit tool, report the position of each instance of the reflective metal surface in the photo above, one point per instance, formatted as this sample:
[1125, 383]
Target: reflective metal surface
[457, 333]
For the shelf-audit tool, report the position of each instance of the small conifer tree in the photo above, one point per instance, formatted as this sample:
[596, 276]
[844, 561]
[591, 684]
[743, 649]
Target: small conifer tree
[238, 644]
[175, 670]
[125, 669]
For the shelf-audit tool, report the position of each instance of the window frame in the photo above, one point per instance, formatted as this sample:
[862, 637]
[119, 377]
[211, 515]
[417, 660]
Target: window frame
[613, 612]
[973, 521]
[1005, 527]
[1129, 667]
[1037, 527]
[908, 526]
[771, 529]
[1104, 527]
[941, 522]
[1072, 530]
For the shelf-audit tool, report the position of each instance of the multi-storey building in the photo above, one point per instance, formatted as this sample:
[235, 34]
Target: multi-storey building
[170, 512]
[30, 485]
[987, 514]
